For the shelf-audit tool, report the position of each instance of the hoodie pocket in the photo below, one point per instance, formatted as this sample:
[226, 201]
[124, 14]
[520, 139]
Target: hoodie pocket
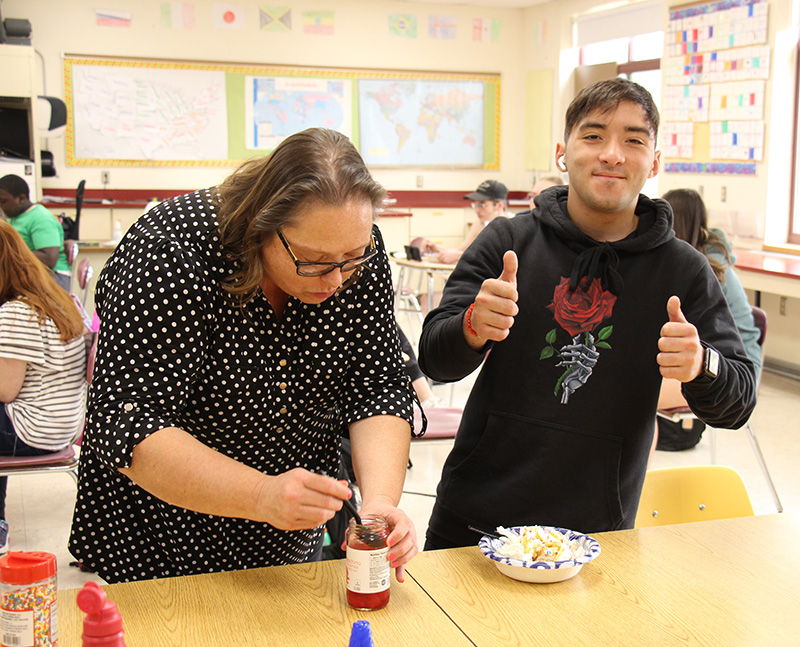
[525, 472]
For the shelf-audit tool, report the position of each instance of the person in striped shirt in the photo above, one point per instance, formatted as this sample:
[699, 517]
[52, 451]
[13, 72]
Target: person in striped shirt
[42, 357]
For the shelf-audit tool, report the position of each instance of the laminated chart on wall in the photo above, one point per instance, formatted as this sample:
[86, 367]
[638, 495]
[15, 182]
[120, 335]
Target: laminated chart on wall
[715, 66]
[742, 140]
[144, 112]
[740, 100]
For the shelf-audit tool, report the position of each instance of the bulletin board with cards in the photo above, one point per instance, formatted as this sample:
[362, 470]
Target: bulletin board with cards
[716, 64]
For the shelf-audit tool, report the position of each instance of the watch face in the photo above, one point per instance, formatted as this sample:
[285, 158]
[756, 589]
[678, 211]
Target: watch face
[712, 362]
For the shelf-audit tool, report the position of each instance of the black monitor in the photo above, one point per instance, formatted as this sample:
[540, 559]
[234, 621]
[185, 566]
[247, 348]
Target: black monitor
[15, 130]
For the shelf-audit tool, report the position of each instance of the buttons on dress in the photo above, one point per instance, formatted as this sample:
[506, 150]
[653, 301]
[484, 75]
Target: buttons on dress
[283, 362]
[127, 407]
[283, 411]
[283, 386]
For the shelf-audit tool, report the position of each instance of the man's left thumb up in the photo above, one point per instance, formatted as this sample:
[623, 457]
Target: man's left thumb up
[674, 310]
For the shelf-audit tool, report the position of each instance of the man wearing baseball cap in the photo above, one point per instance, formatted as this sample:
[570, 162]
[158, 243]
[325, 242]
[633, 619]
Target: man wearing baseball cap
[489, 202]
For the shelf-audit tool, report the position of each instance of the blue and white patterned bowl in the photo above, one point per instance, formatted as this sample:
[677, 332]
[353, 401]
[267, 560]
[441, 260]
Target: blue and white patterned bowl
[542, 572]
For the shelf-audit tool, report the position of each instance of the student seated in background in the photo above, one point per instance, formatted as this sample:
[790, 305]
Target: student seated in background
[576, 311]
[489, 202]
[42, 357]
[690, 222]
[39, 228]
[541, 184]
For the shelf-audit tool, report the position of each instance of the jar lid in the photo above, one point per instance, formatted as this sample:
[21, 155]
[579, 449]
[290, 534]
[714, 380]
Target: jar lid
[20, 567]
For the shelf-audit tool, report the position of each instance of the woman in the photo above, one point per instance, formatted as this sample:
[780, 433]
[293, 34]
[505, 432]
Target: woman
[244, 329]
[691, 224]
[42, 357]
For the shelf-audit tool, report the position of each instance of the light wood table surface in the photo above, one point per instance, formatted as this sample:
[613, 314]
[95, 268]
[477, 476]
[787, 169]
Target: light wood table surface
[302, 605]
[729, 583]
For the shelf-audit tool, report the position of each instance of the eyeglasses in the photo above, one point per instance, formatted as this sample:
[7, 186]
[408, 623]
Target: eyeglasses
[483, 204]
[318, 269]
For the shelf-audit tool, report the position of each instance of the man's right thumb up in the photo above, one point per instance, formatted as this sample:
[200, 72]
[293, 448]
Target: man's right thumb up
[510, 265]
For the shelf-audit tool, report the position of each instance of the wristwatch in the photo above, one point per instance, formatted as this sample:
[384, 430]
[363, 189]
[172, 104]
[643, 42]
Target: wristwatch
[710, 366]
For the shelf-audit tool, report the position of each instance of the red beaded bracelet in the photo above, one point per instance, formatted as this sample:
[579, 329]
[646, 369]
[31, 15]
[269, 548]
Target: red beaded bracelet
[467, 320]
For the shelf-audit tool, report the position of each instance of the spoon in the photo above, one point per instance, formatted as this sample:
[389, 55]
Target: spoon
[352, 510]
[489, 533]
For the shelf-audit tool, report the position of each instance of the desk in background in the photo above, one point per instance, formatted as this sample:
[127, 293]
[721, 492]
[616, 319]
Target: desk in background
[770, 272]
[424, 270]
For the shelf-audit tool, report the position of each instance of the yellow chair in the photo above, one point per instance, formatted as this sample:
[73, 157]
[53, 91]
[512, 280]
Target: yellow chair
[693, 493]
[685, 414]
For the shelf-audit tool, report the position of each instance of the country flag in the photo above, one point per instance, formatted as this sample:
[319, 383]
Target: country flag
[442, 27]
[318, 22]
[112, 18]
[486, 30]
[275, 18]
[403, 25]
[177, 15]
[227, 16]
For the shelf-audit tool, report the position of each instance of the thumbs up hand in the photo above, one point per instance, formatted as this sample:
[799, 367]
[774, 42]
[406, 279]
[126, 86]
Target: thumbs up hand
[492, 314]
[681, 353]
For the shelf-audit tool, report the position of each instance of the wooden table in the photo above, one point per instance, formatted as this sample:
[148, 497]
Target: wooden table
[301, 605]
[730, 582]
[429, 269]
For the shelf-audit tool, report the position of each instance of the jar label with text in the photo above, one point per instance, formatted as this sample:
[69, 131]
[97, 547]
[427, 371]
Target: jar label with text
[368, 571]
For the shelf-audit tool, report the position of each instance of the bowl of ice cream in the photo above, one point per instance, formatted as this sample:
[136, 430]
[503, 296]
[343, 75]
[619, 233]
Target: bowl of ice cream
[539, 553]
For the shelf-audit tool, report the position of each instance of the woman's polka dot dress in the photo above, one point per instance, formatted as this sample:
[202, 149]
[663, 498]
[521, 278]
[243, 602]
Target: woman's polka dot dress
[275, 395]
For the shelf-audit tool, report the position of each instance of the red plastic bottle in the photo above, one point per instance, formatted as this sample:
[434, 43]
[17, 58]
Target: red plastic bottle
[368, 569]
[102, 626]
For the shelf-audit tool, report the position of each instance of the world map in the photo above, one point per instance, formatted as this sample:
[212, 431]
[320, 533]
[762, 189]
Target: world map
[421, 123]
[278, 107]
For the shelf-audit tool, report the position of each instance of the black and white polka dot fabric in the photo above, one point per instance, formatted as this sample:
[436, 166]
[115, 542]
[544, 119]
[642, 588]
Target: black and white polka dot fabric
[275, 395]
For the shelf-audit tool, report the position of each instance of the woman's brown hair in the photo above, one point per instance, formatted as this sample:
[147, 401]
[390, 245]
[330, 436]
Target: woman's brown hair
[264, 195]
[691, 224]
[24, 277]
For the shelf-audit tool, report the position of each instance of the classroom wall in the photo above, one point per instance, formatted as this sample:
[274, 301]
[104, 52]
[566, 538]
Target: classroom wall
[361, 40]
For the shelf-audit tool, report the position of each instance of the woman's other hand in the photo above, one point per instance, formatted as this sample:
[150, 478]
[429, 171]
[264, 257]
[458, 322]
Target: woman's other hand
[402, 538]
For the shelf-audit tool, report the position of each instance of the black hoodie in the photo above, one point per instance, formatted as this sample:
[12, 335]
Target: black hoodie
[558, 427]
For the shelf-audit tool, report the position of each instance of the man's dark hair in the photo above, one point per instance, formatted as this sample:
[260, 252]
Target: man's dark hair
[607, 95]
[15, 185]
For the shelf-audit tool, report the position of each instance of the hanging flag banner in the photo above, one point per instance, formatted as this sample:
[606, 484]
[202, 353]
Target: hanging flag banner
[275, 18]
[403, 25]
[486, 30]
[442, 27]
[319, 23]
[112, 18]
[227, 16]
[177, 15]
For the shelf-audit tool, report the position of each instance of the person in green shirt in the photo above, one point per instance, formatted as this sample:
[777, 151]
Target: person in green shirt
[39, 228]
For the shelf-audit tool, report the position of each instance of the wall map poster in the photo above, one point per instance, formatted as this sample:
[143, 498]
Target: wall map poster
[131, 112]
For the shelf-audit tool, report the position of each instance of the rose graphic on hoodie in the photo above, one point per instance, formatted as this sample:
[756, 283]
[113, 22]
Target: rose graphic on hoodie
[579, 313]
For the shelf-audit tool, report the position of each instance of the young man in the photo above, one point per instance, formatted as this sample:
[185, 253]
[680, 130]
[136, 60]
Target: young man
[39, 228]
[585, 304]
[489, 202]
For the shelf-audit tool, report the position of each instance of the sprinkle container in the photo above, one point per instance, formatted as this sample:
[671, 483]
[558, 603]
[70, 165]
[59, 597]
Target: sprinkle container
[28, 600]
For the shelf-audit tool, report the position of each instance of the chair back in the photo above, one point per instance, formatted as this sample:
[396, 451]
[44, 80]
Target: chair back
[693, 493]
[760, 320]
